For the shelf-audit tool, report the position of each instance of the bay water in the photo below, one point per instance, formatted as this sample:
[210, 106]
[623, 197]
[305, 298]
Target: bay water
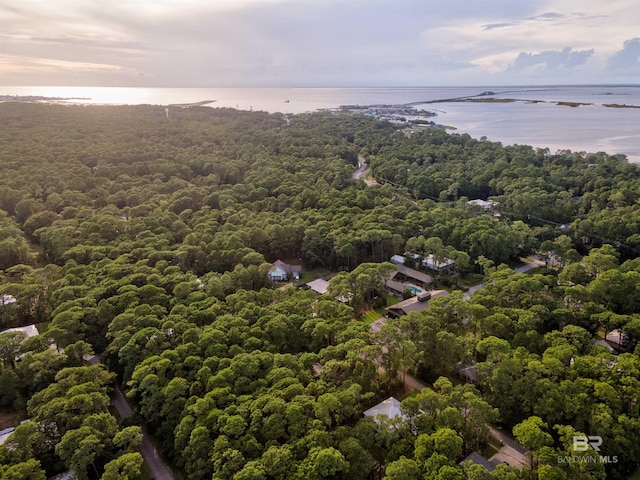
[535, 119]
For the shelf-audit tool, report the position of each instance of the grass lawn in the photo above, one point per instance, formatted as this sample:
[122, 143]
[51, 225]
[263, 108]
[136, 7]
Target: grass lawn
[373, 315]
[312, 274]
[540, 269]
[471, 279]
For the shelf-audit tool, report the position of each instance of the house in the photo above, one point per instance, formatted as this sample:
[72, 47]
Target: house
[395, 288]
[389, 407]
[29, 330]
[415, 275]
[5, 434]
[618, 340]
[401, 259]
[276, 274]
[475, 457]
[398, 259]
[281, 271]
[603, 343]
[7, 299]
[468, 373]
[445, 266]
[320, 286]
[414, 304]
[486, 205]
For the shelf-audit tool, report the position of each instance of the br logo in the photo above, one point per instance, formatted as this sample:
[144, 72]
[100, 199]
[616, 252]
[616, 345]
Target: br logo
[581, 443]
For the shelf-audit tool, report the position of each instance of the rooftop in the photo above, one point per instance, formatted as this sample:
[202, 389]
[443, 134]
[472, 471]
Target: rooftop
[389, 407]
[318, 285]
[29, 330]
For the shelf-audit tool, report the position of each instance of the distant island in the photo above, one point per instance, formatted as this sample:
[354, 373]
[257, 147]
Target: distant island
[36, 98]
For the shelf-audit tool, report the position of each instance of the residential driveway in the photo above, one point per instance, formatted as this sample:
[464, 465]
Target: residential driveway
[511, 453]
[536, 262]
[377, 325]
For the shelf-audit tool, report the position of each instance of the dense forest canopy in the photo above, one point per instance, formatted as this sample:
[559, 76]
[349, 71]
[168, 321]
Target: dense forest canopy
[146, 240]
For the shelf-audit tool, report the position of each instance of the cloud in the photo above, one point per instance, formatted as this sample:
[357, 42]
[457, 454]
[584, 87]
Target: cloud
[491, 26]
[552, 59]
[548, 16]
[309, 43]
[627, 60]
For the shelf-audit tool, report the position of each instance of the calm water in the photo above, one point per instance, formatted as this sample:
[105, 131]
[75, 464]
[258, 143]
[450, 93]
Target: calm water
[589, 128]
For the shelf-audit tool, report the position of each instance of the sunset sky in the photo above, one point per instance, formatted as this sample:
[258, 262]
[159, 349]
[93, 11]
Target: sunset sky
[325, 43]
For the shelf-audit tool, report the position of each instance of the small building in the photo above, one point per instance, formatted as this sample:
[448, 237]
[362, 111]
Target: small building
[281, 271]
[7, 299]
[414, 304]
[319, 285]
[445, 266]
[389, 407]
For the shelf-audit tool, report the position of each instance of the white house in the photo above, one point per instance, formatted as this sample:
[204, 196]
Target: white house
[280, 271]
[389, 407]
[439, 266]
[398, 259]
[29, 330]
[486, 205]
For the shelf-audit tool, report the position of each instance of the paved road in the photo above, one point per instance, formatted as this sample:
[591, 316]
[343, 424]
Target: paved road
[120, 404]
[511, 452]
[158, 469]
[363, 171]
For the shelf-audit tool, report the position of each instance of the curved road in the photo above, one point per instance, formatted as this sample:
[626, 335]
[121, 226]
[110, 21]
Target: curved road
[362, 171]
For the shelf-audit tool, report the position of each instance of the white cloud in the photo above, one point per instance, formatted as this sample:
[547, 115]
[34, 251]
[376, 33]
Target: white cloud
[552, 59]
[311, 42]
[627, 60]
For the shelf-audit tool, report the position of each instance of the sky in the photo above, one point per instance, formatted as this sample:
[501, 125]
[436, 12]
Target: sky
[318, 43]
